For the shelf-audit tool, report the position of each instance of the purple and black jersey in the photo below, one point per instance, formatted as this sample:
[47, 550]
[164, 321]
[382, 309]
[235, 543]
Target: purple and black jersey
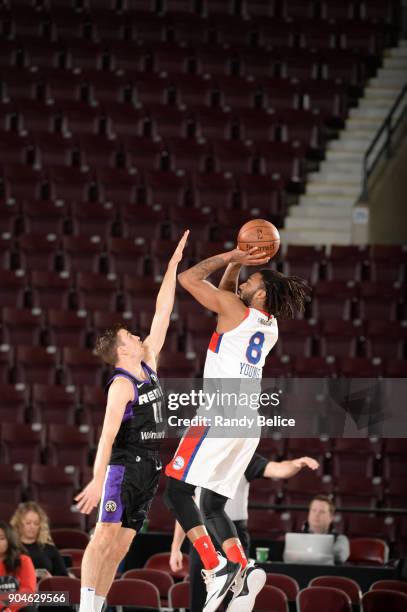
[143, 423]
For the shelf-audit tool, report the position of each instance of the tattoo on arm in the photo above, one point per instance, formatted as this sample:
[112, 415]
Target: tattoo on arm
[204, 268]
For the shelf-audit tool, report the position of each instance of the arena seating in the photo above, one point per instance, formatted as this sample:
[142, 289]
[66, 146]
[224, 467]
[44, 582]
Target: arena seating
[119, 127]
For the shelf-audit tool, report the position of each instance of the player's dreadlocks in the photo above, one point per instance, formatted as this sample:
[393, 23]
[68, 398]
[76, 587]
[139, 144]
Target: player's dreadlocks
[285, 295]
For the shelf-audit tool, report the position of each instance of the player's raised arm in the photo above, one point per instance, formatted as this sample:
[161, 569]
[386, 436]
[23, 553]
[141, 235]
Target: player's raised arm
[120, 393]
[230, 278]
[219, 300]
[164, 305]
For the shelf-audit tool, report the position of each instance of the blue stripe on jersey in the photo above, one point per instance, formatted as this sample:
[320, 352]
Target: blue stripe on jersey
[198, 446]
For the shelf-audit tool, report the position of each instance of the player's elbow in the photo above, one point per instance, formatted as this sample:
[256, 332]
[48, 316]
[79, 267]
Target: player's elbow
[183, 278]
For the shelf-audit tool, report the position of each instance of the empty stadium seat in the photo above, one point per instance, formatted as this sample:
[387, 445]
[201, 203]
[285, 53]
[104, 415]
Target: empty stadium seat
[53, 404]
[52, 484]
[69, 444]
[375, 601]
[368, 551]
[319, 599]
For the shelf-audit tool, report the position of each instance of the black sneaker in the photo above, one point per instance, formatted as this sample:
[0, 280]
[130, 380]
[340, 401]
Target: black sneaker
[246, 588]
[218, 582]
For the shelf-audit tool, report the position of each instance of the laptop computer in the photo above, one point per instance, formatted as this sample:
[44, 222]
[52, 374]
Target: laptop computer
[312, 548]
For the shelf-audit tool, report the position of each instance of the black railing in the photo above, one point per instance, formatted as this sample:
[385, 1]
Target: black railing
[388, 128]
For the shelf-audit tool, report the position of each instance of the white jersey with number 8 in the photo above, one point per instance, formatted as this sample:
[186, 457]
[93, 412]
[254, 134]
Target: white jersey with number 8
[241, 352]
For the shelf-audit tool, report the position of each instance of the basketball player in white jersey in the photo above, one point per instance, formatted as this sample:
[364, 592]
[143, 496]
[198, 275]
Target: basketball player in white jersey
[246, 332]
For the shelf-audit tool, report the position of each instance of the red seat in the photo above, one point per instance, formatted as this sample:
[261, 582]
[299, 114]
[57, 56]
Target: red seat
[12, 287]
[23, 326]
[288, 585]
[162, 580]
[38, 251]
[97, 292]
[296, 336]
[170, 58]
[62, 87]
[358, 491]
[165, 188]
[389, 585]
[368, 551]
[94, 404]
[53, 404]
[270, 524]
[337, 10]
[81, 366]
[53, 149]
[360, 367]
[135, 593]
[84, 55]
[396, 368]
[13, 482]
[271, 599]
[63, 538]
[258, 125]
[72, 586]
[126, 253]
[6, 360]
[212, 61]
[168, 122]
[14, 399]
[313, 367]
[67, 328]
[213, 190]
[386, 339]
[126, 120]
[347, 585]
[233, 156]
[37, 116]
[161, 561]
[97, 151]
[262, 192]
[211, 123]
[334, 299]
[376, 601]
[275, 33]
[82, 253]
[394, 467]
[307, 482]
[81, 118]
[379, 300]
[387, 262]
[320, 599]
[22, 443]
[76, 554]
[14, 149]
[298, 66]
[179, 596]
[339, 338]
[69, 444]
[396, 494]
[36, 364]
[141, 223]
[44, 217]
[61, 517]
[52, 484]
[376, 527]
[50, 289]
[303, 261]
[298, 9]
[177, 365]
[237, 93]
[143, 152]
[193, 90]
[344, 262]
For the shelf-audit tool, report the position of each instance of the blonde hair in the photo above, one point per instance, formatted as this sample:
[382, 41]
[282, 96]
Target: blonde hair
[44, 536]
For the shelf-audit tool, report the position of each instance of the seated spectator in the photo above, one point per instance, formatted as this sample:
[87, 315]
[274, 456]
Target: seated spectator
[17, 574]
[320, 520]
[31, 525]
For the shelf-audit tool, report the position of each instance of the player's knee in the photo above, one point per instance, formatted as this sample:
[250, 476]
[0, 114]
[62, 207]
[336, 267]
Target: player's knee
[103, 540]
[177, 493]
[212, 504]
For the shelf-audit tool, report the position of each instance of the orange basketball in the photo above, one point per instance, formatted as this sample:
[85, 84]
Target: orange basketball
[259, 233]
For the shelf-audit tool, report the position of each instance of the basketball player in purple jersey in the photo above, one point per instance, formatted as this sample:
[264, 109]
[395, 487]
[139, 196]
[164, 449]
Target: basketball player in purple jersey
[127, 465]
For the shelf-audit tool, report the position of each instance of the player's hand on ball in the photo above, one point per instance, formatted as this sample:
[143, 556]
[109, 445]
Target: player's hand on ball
[89, 497]
[252, 257]
[176, 561]
[177, 256]
[302, 462]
